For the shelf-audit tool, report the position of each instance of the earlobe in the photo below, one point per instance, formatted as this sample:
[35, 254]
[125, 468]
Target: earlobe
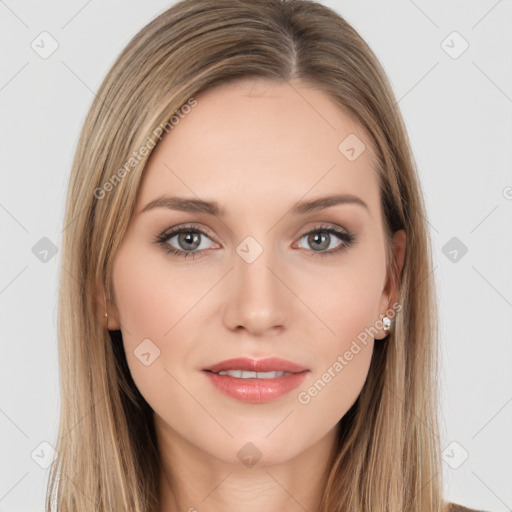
[390, 293]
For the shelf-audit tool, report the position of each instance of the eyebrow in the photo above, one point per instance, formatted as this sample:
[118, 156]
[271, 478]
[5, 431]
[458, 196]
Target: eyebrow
[213, 208]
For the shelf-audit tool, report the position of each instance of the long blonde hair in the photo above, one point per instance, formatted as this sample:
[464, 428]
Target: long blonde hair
[387, 455]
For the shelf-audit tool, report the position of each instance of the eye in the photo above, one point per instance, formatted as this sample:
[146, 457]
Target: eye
[188, 240]
[321, 238]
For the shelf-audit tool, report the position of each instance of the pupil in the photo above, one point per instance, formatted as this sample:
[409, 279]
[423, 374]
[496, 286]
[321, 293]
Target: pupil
[317, 236]
[189, 238]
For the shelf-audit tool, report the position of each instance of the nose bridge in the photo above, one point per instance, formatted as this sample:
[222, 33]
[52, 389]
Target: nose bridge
[252, 267]
[257, 297]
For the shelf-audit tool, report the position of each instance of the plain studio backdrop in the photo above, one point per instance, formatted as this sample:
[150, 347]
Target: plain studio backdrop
[450, 65]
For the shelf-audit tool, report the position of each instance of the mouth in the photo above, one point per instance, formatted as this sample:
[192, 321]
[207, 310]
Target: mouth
[249, 385]
[243, 374]
[261, 366]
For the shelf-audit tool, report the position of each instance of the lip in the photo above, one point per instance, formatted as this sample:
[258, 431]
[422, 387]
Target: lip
[256, 390]
[269, 364]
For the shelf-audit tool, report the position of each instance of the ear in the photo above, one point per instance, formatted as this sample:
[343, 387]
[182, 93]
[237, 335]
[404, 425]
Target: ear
[390, 292]
[113, 314]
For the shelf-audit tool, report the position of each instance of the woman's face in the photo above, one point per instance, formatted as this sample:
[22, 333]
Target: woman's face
[257, 276]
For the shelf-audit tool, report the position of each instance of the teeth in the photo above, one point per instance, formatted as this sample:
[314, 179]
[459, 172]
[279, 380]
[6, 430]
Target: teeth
[242, 374]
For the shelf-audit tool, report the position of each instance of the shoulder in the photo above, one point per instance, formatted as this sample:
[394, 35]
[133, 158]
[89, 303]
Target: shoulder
[454, 507]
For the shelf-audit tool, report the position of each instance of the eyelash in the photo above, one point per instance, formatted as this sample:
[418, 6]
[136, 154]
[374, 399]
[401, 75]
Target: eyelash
[347, 238]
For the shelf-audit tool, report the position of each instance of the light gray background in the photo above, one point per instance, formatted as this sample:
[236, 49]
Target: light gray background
[458, 113]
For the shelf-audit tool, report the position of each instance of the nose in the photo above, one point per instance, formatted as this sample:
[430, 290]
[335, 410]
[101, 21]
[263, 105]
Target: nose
[258, 297]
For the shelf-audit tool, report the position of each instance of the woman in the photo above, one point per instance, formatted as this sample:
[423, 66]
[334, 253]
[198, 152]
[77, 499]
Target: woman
[247, 310]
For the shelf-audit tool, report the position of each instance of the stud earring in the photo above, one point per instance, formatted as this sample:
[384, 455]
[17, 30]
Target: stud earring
[386, 323]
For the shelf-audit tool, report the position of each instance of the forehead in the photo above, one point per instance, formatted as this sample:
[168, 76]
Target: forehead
[260, 142]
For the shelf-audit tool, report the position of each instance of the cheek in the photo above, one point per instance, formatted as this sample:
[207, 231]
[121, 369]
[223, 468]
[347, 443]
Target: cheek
[342, 359]
[328, 395]
[348, 306]
[149, 305]
[345, 297]
[150, 299]
[156, 302]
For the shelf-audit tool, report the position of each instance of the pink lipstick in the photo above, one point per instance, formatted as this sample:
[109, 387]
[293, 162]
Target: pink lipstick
[256, 381]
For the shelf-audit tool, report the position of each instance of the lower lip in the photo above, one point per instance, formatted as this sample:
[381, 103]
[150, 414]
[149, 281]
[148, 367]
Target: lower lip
[256, 391]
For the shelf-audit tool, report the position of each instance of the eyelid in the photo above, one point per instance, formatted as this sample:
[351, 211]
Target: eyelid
[176, 230]
[345, 236]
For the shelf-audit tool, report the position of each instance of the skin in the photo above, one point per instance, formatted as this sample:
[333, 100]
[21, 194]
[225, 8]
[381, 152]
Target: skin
[256, 147]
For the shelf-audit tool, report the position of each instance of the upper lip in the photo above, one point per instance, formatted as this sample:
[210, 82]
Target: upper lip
[260, 365]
